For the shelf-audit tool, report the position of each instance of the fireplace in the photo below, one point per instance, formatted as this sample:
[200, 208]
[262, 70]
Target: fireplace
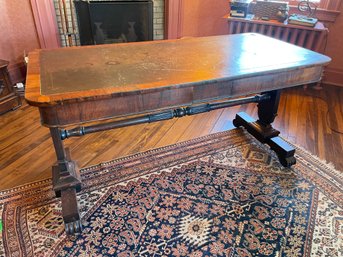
[109, 21]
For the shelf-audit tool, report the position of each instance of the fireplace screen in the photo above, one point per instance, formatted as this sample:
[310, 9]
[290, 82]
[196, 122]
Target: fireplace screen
[106, 22]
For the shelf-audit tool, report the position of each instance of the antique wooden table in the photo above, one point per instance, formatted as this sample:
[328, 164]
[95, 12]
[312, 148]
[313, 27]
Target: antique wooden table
[161, 80]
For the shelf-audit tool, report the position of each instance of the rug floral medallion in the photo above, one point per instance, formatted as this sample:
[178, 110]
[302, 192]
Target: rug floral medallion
[220, 195]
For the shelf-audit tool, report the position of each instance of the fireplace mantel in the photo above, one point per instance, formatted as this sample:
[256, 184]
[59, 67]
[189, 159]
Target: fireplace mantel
[45, 21]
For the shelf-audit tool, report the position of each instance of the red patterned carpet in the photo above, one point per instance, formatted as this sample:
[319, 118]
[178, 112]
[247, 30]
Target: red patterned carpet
[219, 195]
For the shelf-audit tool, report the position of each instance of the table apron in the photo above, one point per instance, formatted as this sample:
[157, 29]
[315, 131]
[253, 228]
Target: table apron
[82, 111]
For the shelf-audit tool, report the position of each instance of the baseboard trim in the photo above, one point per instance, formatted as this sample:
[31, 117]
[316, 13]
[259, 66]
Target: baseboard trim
[333, 76]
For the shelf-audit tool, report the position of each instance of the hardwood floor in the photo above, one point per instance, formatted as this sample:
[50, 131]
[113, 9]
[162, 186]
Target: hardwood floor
[309, 118]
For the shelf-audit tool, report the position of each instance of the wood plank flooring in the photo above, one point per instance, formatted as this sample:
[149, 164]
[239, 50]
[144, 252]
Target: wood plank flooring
[307, 117]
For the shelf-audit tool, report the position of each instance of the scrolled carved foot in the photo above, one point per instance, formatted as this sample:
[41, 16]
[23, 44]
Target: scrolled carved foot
[236, 123]
[288, 161]
[70, 211]
[73, 227]
[242, 119]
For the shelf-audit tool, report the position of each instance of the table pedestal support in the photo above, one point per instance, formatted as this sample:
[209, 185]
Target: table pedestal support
[66, 176]
[263, 131]
[66, 183]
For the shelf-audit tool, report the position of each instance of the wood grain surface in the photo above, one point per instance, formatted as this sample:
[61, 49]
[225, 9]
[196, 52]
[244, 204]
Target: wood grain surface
[72, 74]
[306, 117]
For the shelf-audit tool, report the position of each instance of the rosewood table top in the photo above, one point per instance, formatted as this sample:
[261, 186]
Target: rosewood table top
[68, 74]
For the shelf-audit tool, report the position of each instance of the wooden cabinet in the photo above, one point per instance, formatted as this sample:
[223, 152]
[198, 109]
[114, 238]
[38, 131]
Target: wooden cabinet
[9, 100]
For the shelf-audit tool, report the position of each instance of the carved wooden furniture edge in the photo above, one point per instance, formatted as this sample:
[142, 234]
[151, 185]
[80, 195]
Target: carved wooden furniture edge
[68, 113]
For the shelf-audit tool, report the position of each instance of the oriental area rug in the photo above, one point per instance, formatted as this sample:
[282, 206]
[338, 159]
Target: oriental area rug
[220, 195]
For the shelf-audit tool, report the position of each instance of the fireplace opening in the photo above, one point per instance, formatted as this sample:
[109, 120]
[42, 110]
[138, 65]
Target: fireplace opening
[106, 22]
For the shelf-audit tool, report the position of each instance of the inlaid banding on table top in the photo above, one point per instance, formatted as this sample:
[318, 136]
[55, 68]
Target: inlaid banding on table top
[139, 66]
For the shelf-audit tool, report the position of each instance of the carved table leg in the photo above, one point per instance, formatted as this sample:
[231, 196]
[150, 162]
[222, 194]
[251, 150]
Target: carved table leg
[66, 182]
[263, 130]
